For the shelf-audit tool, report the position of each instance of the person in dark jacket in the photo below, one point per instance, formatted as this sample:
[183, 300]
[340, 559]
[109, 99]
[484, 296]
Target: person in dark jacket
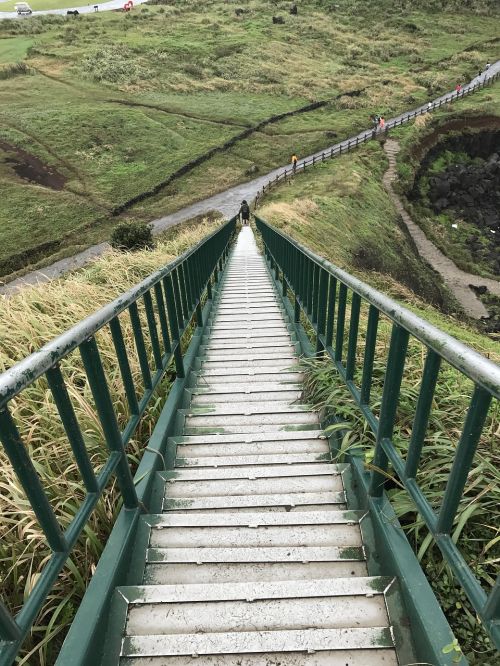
[244, 212]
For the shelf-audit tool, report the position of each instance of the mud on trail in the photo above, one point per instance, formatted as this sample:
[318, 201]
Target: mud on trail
[31, 168]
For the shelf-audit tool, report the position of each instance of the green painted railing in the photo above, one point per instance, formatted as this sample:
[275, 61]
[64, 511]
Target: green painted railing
[321, 292]
[170, 301]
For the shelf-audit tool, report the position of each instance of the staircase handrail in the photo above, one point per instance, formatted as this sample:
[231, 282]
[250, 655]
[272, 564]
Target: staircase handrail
[171, 300]
[316, 289]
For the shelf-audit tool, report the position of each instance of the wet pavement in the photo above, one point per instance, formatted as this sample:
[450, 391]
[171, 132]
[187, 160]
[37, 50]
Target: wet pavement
[84, 9]
[227, 202]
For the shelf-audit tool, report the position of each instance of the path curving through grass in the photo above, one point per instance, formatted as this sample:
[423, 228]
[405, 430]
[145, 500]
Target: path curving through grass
[228, 201]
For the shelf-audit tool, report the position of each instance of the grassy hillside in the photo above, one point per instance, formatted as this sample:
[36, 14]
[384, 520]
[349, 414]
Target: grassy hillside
[116, 103]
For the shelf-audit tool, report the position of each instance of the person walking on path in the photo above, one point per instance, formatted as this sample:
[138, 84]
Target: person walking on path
[294, 162]
[244, 212]
[458, 88]
[381, 123]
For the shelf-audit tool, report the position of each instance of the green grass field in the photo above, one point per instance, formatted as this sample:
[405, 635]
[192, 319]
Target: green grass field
[116, 103]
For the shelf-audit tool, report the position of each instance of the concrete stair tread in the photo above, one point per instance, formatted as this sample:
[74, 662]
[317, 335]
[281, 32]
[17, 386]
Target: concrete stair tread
[286, 501]
[247, 396]
[264, 407]
[254, 472]
[255, 519]
[258, 641]
[256, 459]
[255, 590]
[257, 554]
[305, 436]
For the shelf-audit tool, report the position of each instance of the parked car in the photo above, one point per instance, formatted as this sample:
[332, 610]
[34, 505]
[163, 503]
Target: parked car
[23, 9]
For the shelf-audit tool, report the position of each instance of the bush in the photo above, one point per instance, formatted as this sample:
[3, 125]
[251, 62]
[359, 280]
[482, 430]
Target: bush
[130, 236]
[16, 69]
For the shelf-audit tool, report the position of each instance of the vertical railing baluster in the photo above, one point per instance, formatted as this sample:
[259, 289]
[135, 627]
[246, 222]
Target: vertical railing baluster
[369, 355]
[353, 335]
[322, 303]
[104, 406]
[181, 308]
[140, 345]
[474, 422]
[26, 473]
[9, 629]
[390, 400]
[174, 327]
[153, 331]
[332, 295]
[339, 338]
[422, 412]
[68, 417]
[179, 281]
[124, 365]
[162, 314]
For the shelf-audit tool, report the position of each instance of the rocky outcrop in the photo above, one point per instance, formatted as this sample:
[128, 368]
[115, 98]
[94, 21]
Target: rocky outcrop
[472, 192]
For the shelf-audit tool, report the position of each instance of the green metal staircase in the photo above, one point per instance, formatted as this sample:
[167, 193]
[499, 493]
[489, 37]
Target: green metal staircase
[254, 557]
[242, 539]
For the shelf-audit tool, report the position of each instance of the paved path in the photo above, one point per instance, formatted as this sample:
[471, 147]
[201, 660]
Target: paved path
[457, 281]
[226, 202]
[85, 9]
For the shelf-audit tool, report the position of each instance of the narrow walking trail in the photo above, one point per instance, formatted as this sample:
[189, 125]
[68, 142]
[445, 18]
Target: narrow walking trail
[255, 557]
[226, 202]
[457, 281]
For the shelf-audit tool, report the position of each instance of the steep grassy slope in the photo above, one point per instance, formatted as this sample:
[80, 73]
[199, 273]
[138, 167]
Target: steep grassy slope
[116, 103]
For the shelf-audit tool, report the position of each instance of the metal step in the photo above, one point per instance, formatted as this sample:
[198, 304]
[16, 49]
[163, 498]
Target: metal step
[187, 452]
[282, 501]
[245, 460]
[357, 657]
[255, 472]
[258, 641]
[234, 572]
[246, 396]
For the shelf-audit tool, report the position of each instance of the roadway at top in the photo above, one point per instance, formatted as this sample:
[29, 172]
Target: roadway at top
[85, 9]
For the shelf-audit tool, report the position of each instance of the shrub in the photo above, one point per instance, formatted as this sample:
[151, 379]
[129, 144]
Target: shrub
[130, 236]
[16, 69]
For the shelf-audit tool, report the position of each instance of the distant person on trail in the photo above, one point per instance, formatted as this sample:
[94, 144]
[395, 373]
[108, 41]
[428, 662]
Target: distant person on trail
[294, 162]
[244, 212]
[458, 88]
[381, 123]
[488, 65]
[429, 106]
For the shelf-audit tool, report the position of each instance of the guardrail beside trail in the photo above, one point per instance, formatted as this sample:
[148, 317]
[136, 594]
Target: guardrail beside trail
[368, 135]
[317, 291]
[159, 314]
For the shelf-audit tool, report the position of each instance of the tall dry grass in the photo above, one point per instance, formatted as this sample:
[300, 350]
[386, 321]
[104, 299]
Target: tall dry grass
[28, 320]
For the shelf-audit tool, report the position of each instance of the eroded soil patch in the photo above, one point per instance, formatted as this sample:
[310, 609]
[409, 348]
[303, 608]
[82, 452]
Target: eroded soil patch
[31, 168]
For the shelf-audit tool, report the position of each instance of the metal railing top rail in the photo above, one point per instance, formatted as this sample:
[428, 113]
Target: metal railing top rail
[367, 135]
[23, 373]
[477, 367]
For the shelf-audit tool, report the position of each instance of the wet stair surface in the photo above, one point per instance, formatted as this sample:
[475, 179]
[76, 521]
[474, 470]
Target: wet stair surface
[255, 558]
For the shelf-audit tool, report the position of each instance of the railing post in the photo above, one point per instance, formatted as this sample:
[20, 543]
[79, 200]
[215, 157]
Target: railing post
[474, 421]
[322, 303]
[104, 406]
[422, 412]
[9, 630]
[174, 328]
[369, 356]
[25, 470]
[390, 399]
